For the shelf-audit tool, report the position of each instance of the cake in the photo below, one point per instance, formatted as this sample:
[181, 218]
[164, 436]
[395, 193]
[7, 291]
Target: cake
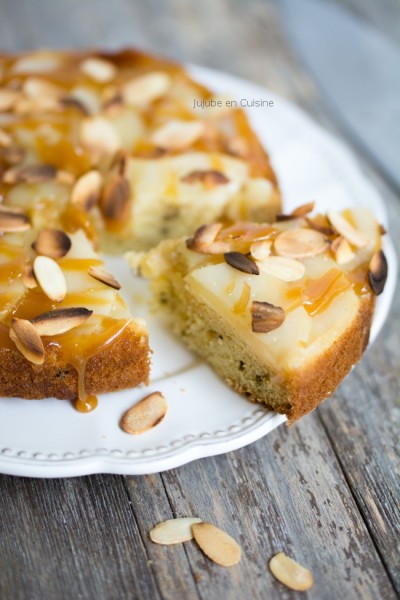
[103, 151]
[281, 311]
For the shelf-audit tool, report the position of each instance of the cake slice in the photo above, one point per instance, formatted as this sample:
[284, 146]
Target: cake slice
[281, 311]
[64, 329]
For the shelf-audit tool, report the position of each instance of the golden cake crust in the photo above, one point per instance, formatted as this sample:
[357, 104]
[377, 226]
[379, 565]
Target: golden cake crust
[318, 380]
[122, 365]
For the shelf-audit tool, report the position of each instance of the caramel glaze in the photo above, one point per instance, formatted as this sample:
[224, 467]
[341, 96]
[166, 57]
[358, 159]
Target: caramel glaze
[77, 346]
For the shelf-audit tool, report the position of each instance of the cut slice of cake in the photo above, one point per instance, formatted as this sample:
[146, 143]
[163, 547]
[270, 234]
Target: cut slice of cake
[281, 311]
[64, 329]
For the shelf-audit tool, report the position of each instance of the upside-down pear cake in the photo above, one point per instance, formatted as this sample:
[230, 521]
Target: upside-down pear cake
[281, 311]
[103, 151]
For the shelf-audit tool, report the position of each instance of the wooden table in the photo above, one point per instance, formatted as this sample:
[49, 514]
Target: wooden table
[324, 491]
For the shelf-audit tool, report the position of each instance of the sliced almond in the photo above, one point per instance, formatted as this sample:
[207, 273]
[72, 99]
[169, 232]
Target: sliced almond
[116, 198]
[286, 269]
[39, 104]
[342, 250]
[237, 146]
[12, 220]
[324, 230]
[99, 137]
[342, 226]
[266, 317]
[208, 178]
[65, 177]
[71, 102]
[260, 249]
[50, 278]
[30, 174]
[35, 87]
[27, 340]
[5, 138]
[241, 262]
[145, 415]
[12, 155]
[303, 210]
[300, 243]
[146, 88]
[8, 99]
[86, 191]
[377, 273]
[56, 322]
[29, 278]
[220, 547]
[52, 242]
[98, 69]
[173, 531]
[104, 277]
[178, 135]
[204, 240]
[290, 573]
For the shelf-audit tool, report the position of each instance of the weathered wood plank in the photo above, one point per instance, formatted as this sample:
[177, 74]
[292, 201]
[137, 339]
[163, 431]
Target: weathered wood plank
[170, 566]
[286, 492]
[72, 538]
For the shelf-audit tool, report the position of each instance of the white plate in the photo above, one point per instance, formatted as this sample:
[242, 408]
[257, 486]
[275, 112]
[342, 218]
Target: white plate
[50, 439]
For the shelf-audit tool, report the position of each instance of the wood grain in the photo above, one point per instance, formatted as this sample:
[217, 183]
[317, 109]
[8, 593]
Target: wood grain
[326, 491]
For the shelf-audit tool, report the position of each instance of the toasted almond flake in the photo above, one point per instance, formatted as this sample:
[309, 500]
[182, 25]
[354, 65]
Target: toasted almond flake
[50, 278]
[72, 102]
[12, 155]
[290, 573]
[30, 174]
[377, 273]
[324, 230]
[237, 146]
[145, 415]
[116, 198]
[282, 217]
[266, 317]
[342, 251]
[300, 243]
[13, 219]
[209, 178]
[98, 69]
[8, 99]
[106, 278]
[303, 209]
[27, 340]
[381, 229]
[29, 278]
[40, 61]
[173, 531]
[286, 269]
[178, 135]
[52, 242]
[146, 88]
[354, 236]
[56, 322]
[205, 242]
[119, 162]
[26, 106]
[64, 177]
[86, 191]
[241, 262]
[260, 249]
[35, 87]
[99, 137]
[5, 138]
[220, 547]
